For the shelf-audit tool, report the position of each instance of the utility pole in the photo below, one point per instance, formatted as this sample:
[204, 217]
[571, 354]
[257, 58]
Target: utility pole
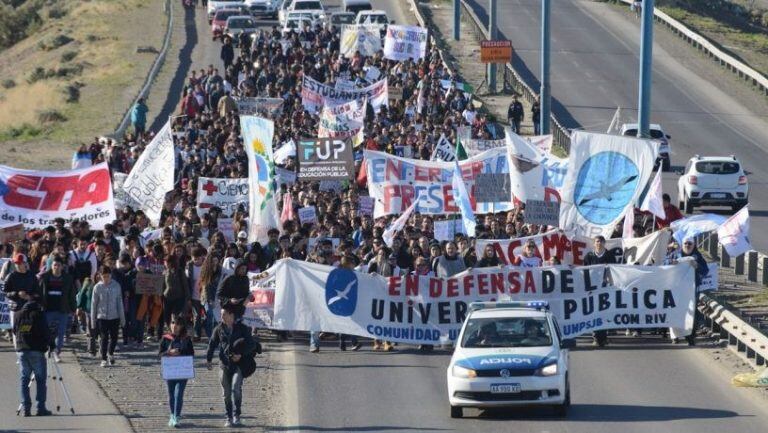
[646, 71]
[456, 20]
[493, 35]
[544, 93]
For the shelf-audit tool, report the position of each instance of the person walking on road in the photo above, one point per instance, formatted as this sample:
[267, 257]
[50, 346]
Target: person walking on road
[58, 292]
[236, 346]
[600, 256]
[108, 313]
[227, 53]
[515, 114]
[176, 343]
[702, 270]
[139, 117]
[536, 116]
[32, 339]
[20, 282]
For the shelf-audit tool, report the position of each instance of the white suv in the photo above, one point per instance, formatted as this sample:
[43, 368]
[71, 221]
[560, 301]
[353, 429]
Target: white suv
[658, 134]
[713, 181]
[509, 354]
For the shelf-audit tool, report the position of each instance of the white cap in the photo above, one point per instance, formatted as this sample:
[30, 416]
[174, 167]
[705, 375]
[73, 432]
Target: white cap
[242, 235]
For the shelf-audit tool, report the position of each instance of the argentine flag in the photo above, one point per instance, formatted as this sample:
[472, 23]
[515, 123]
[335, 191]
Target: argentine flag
[461, 197]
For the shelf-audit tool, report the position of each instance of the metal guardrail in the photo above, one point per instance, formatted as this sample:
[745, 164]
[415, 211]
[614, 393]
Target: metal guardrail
[423, 23]
[741, 337]
[752, 264]
[561, 135]
[158, 63]
[724, 59]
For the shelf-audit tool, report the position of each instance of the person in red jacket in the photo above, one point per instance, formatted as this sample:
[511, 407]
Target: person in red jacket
[672, 212]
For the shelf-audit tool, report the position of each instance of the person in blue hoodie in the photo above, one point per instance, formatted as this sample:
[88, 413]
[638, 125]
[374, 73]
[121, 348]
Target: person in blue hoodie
[139, 117]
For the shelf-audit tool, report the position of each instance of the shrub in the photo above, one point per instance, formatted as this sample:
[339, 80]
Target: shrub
[50, 116]
[71, 93]
[69, 55]
[38, 74]
[57, 11]
[68, 71]
[8, 83]
[55, 42]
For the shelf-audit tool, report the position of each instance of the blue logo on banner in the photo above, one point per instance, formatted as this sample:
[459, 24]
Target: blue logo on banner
[341, 292]
[606, 183]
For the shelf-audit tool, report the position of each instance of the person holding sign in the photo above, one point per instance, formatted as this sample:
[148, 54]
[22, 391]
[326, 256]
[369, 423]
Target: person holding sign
[177, 343]
[236, 351]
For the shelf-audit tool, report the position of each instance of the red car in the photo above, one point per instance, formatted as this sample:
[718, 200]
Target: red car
[219, 22]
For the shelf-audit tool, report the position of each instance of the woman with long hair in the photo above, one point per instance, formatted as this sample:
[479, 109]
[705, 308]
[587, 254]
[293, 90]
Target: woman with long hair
[176, 343]
[210, 279]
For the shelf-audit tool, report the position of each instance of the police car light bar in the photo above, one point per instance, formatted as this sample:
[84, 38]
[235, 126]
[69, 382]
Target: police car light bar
[537, 305]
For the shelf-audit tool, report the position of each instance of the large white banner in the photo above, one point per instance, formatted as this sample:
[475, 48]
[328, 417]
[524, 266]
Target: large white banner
[534, 175]
[365, 39]
[152, 175]
[257, 135]
[224, 193]
[571, 248]
[606, 175]
[405, 42]
[343, 121]
[395, 182]
[315, 95]
[36, 198]
[428, 310]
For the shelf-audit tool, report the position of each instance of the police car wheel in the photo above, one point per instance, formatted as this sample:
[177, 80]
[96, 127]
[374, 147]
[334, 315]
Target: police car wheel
[561, 410]
[457, 412]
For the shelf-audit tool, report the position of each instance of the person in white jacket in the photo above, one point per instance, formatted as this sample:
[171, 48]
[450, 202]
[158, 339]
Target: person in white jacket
[108, 313]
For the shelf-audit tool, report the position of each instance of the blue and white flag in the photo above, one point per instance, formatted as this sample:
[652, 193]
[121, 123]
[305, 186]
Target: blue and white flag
[734, 233]
[461, 197]
[606, 175]
[694, 225]
[398, 224]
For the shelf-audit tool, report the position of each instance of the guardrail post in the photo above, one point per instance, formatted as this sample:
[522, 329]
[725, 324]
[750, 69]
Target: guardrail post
[752, 266]
[739, 267]
[764, 261]
[456, 20]
[725, 259]
[493, 35]
[713, 243]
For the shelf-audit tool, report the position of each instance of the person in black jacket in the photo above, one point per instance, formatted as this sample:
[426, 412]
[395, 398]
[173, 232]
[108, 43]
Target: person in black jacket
[515, 114]
[176, 343]
[32, 339]
[226, 336]
[58, 294]
[227, 53]
[236, 289]
[600, 256]
[19, 283]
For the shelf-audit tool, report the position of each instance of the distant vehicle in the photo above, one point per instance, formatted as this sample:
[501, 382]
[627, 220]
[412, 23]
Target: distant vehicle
[219, 21]
[214, 5]
[295, 24]
[238, 25]
[264, 8]
[509, 354]
[713, 181]
[356, 6]
[340, 18]
[373, 17]
[630, 130]
[313, 6]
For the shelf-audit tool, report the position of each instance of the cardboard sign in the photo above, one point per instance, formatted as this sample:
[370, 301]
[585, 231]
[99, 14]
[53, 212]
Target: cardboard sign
[331, 185]
[308, 215]
[395, 93]
[11, 233]
[177, 367]
[226, 226]
[492, 187]
[149, 284]
[495, 51]
[366, 205]
[446, 230]
[542, 212]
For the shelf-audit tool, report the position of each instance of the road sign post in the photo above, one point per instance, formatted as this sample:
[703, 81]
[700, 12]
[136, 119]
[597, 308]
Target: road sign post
[493, 33]
[544, 93]
[456, 20]
[646, 65]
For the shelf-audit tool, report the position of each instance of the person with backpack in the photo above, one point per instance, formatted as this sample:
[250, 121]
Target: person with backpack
[83, 299]
[107, 313]
[32, 339]
[58, 293]
[176, 343]
[20, 282]
[82, 262]
[237, 349]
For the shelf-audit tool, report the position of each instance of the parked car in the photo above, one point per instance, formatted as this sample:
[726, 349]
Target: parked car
[340, 18]
[264, 8]
[313, 6]
[713, 181]
[238, 25]
[658, 134]
[219, 21]
[214, 6]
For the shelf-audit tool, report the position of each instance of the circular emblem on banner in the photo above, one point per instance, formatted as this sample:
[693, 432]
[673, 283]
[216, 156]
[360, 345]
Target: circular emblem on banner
[605, 185]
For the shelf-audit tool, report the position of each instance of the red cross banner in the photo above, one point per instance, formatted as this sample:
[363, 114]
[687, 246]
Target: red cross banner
[226, 194]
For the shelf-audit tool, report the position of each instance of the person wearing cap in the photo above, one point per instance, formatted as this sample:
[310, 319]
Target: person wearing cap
[242, 238]
[600, 256]
[20, 282]
[690, 249]
[32, 339]
[58, 296]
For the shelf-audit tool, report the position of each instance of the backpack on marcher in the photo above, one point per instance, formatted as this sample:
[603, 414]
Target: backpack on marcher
[82, 268]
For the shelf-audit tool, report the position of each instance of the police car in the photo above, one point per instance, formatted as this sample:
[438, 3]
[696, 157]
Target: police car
[509, 354]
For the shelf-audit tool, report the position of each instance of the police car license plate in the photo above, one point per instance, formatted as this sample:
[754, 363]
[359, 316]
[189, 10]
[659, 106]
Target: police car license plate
[505, 388]
[717, 195]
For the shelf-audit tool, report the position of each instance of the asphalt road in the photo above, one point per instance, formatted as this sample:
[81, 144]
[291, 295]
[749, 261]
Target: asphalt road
[632, 386]
[595, 61]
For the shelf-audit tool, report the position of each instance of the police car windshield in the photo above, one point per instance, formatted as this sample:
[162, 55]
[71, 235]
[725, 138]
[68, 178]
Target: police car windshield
[507, 332]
